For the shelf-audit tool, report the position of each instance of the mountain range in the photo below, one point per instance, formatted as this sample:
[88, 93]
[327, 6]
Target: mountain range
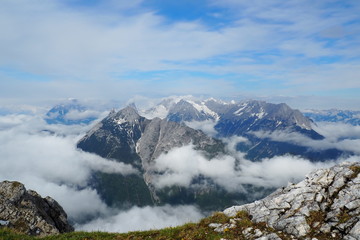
[246, 119]
[69, 113]
[334, 115]
[126, 136]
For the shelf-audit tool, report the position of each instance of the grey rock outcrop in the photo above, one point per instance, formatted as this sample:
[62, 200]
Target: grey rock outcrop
[161, 136]
[326, 205]
[27, 212]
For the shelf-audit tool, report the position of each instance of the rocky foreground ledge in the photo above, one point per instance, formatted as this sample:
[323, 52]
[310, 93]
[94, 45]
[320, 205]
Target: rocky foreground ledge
[27, 212]
[326, 205]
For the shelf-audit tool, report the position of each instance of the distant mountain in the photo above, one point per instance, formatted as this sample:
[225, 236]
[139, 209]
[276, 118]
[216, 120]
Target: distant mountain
[244, 119]
[127, 137]
[70, 112]
[243, 116]
[334, 115]
[250, 116]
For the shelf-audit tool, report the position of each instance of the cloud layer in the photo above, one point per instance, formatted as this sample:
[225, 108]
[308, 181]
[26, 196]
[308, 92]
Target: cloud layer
[181, 165]
[137, 219]
[207, 126]
[45, 158]
[339, 136]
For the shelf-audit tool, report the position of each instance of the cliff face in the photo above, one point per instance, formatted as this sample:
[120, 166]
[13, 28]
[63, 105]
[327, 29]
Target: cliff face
[326, 205]
[27, 212]
[129, 138]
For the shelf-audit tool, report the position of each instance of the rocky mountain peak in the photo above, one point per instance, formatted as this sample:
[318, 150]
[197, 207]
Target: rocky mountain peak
[292, 115]
[188, 110]
[129, 138]
[128, 114]
[27, 212]
[326, 205]
[250, 114]
[70, 112]
[280, 113]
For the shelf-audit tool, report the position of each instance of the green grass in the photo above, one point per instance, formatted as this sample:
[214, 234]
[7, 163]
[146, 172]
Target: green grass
[190, 231]
[315, 221]
[356, 171]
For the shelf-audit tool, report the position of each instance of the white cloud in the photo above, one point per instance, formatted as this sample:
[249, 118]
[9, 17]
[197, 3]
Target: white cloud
[339, 136]
[145, 218]
[337, 131]
[206, 126]
[304, 102]
[13, 120]
[357, 116]
[80, 204]
[278, 171]
[91, 43]
[79, 115]
[181, 165]
[232, 142]
[106, 51]
[50, 164]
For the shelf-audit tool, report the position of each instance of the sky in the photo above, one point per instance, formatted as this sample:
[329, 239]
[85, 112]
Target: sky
[303, 52]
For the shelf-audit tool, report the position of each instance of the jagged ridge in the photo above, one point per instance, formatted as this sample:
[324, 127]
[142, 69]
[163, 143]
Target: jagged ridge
[326, 205]
[27, 212]
[127, 137]
[246, 119]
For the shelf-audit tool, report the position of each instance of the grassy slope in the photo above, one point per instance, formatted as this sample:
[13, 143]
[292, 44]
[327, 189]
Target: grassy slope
[189, 231]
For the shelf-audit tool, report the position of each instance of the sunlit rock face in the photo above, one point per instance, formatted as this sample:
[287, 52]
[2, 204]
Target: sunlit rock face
[27, 212]
[326, 205]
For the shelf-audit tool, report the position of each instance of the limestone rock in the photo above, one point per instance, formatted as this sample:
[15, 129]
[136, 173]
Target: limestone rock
[326, 205]
[27, 212]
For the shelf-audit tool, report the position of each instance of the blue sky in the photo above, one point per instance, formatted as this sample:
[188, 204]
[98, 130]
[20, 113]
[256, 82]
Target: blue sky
[306, 53]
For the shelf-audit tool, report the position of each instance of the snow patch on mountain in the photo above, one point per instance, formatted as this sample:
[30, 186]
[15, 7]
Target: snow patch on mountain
[239, 112]
[202, 108]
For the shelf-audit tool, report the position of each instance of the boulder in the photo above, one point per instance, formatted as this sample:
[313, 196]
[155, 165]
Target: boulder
[27, 212]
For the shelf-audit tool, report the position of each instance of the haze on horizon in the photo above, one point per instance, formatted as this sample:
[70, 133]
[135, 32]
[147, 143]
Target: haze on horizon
[304, 53]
